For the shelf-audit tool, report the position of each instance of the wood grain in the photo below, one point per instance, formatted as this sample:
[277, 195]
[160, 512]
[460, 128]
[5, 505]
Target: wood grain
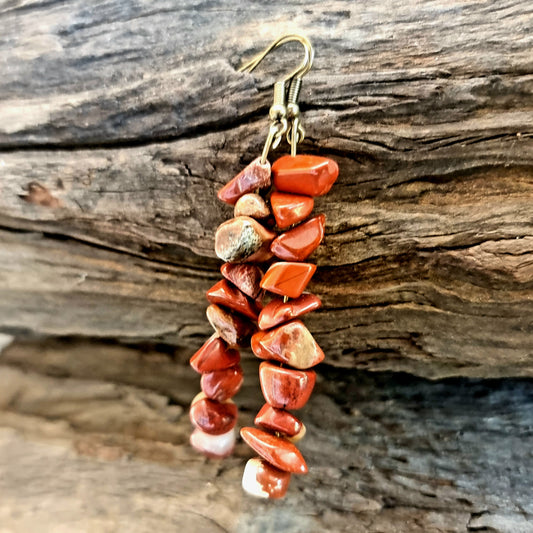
[119, 121]
[387, 452]
[134, 115]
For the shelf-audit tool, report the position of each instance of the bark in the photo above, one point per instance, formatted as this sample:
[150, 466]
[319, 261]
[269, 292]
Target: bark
[120, 119]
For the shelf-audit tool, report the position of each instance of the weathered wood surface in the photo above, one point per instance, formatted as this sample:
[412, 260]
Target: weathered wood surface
[131, 115]
[120, 119]
[98, 442]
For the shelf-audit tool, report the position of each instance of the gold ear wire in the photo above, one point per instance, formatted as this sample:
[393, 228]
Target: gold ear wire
[300, 71]
[285, 105]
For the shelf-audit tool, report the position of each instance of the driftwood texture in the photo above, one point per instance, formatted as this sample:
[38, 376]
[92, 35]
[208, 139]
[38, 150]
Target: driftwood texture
[120, 119]
[388, 452]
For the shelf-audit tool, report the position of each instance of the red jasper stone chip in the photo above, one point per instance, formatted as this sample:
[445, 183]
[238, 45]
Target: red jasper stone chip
[223, 293]
[251, 205]
[278, 420]
[263, 480]
[285, 388]
[221, 385]
[304, 174]
[244, 276]
[214, 355]
[289, 209]
[290, 343]
[277, 311]
[301, 241]
[255, 176]
[234, 329]
[278, 451]
[243, 239]
[213, 417]
[288, 279]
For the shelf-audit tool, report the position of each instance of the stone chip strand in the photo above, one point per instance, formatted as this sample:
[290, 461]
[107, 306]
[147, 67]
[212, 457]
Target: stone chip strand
[237, 309]
[283, 339]
[233, 312]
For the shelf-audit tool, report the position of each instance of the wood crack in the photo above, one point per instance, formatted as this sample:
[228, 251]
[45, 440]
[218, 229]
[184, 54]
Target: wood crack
[65, 237]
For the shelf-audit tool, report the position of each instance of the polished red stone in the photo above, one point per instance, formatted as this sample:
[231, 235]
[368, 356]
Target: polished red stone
[246, 277]
[255, 176]
[289, 209]
[243, 239]
[214, 355]
[304, 174]
[221, 385]
[263, 480]
[278, 420]
[301, 241]
[277, 451]
[213, 417]
[286, 388]
[290, 343]
[223, 293]
[299, 436]
[277, 311]
[288, 279]
[233, 328]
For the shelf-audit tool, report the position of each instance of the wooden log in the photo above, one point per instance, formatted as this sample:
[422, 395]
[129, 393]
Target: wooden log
[100, 433]
[427, 265]
[119, 121]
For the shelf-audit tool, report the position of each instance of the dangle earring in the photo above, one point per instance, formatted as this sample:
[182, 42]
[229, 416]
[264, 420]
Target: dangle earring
[267, 201]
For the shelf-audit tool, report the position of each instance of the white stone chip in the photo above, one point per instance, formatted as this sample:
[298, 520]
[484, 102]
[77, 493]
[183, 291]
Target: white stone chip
[249, 479]
[5, 341]
[213, 445]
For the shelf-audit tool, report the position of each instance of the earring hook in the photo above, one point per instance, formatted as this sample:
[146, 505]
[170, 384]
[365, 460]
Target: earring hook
[285, 105]
[300, 71]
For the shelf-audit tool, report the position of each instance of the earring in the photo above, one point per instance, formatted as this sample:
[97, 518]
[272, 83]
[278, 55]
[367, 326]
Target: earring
[272, 225]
